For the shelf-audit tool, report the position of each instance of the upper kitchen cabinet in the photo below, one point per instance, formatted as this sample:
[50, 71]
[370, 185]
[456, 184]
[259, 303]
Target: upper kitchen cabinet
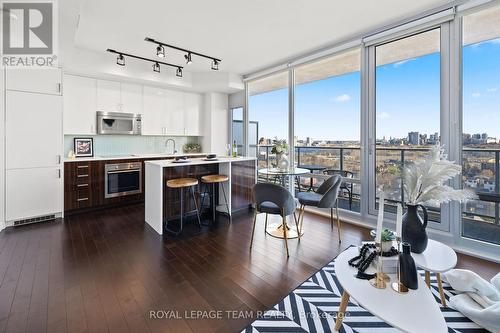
[108, 96]
[33, 130]
[154, 116]
[175, 109]
[193, 104]
[79, 102]
[45, 81]
[131, 98]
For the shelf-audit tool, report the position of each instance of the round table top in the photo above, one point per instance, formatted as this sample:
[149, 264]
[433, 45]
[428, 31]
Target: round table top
[290, 171]
[313, 167]
[403, 311]
[437, 257]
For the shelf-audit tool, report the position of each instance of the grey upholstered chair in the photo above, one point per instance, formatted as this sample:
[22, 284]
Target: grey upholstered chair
[326, 196]
[276, 200]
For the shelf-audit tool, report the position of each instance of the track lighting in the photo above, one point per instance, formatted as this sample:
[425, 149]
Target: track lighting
[188, 58]
[156, 67]
[160, 51]
[120, 60]
[215, 65]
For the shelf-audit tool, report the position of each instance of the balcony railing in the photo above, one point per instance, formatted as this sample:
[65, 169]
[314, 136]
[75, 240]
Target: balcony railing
[390, 161]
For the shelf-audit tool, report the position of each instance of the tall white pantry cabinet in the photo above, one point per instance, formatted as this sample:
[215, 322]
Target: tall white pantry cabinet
[33, 144]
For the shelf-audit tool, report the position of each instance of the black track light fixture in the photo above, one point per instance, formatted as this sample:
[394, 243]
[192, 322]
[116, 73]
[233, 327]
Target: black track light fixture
[160, 51]
[156, 67]
[215, 65]
[189, 61]
[188, 53]
[178, 73]
[120, 60]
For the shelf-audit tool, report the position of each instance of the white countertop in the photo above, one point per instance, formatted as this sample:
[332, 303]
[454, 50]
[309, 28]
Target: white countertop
[130, 156]
[197, 161]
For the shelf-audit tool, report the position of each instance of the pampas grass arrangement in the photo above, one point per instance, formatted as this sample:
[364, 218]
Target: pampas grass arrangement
[424, 180]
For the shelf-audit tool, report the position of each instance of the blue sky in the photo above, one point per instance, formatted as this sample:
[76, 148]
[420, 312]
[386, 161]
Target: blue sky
[407, 100]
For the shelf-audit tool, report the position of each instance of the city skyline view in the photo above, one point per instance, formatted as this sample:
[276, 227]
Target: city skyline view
[407, 94]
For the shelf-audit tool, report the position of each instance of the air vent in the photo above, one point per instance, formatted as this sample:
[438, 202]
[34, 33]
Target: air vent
[34, 220]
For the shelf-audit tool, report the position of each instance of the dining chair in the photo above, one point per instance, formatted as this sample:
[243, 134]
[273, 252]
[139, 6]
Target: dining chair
[346, 185]
[275, 200]
[326, 196]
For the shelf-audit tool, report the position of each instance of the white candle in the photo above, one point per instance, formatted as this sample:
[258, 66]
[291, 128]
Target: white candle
[399, 221]
[380, 218]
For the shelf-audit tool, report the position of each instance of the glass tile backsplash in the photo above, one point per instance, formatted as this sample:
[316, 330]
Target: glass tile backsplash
[107, 145]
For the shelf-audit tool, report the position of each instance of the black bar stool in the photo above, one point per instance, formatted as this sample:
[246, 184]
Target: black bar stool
[182, 183]
[215, 180]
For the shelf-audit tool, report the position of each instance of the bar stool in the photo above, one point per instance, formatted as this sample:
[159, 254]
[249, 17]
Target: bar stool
[214, 180]
[182, 183]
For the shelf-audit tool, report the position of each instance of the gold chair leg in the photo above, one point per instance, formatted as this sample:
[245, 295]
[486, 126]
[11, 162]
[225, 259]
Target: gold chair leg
[253, 228]
[285, 237]
[265, 227]
[296, 224]
[303, 209]
[341, 313]
[441, 291]
[428, 279]
[338, 219]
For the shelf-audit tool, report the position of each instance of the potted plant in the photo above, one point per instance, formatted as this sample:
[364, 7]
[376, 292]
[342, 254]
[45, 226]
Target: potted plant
[386, 239]
[424, 183]
[280, 149]
[190, 148]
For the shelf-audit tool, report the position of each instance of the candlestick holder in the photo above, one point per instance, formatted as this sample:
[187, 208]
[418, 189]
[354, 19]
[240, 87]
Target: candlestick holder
[379, 281]
[398, 286]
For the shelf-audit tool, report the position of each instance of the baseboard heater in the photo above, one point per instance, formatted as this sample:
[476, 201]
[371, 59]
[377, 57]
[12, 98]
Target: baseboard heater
[35, 220]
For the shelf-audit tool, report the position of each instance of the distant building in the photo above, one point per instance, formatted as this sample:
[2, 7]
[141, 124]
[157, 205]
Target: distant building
[413, 138]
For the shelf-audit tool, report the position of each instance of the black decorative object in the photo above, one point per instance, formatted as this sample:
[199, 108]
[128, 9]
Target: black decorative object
[83, 147]
[414, 228]
[407, 269]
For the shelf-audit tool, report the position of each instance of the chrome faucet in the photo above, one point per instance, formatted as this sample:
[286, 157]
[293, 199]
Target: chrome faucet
[173, 141]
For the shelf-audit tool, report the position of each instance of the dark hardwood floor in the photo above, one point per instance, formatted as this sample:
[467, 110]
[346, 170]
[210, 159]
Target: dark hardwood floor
[106, 271]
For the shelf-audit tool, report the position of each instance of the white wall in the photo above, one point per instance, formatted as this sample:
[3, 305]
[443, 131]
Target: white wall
[236, 100]
[215, 122]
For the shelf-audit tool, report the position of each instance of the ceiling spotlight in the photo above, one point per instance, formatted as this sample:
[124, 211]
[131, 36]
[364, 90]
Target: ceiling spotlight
[156, 67]
[160, 51]
[120, 60]
[215, 65]
[188, 58]
[178, 72]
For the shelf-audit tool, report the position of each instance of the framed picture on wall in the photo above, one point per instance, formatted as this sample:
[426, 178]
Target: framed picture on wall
[83, 147]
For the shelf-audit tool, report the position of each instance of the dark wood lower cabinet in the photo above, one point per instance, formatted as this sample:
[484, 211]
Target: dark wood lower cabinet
[242, 180]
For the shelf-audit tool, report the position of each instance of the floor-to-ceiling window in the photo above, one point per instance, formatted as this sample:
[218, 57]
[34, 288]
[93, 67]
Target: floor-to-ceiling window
[327, 122]
[407, 108]
[268, 116]
[481, 124]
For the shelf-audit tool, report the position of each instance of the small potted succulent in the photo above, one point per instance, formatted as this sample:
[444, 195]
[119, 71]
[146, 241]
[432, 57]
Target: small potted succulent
[387, 238]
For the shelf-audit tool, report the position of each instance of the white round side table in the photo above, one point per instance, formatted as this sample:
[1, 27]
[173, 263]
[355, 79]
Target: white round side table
[438, 258]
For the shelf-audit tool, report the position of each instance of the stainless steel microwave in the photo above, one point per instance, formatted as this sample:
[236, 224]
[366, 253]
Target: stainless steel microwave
[119, 123]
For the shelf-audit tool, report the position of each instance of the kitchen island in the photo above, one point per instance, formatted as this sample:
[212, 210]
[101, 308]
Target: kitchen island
[162, 203]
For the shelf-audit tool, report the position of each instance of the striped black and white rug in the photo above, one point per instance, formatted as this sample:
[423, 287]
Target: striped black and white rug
[312, 307]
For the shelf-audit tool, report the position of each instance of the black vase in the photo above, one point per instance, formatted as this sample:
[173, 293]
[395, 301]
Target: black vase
[414, 228]
[407, 269]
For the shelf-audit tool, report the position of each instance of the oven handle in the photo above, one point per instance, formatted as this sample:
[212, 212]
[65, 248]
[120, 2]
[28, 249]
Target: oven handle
[123, 171]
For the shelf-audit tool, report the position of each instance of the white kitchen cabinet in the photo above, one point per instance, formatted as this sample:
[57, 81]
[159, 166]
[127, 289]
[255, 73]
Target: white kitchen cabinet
[131, 98]
[33, 192]
[193, 104]
[33, 130]
[174, 107]
[108, 96]
[45, 81]
[154, 117]
[79, 105]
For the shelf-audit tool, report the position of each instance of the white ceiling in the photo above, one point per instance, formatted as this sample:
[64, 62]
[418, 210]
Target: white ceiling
[247, 35]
